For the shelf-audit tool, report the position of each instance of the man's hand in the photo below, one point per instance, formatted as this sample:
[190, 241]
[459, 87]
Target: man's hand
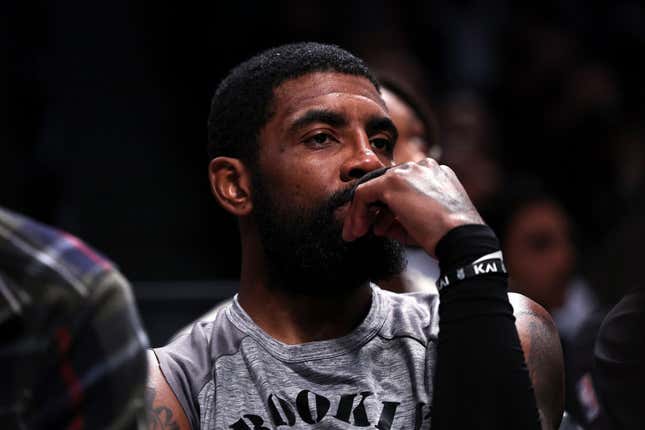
[414, 203]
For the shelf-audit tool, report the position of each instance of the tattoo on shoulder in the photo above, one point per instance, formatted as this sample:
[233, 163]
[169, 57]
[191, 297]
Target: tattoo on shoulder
[159, 417]
[545, 368]
[540, 346]
[548, 322]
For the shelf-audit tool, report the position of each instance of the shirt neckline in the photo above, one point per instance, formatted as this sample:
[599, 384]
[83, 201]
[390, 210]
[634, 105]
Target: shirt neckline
[316, 350]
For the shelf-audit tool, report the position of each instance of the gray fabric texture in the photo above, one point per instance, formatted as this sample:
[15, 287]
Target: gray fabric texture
[228, 373]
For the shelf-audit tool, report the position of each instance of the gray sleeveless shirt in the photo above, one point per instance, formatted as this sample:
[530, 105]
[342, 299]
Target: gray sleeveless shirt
[228, 373]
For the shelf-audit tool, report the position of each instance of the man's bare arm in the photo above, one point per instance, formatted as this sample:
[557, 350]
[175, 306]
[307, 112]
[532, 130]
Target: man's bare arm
[163, 409]
[543, 354]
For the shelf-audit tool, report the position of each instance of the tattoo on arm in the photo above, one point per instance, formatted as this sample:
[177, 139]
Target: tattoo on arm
[537, 361]
[544, 362]
[159, 417]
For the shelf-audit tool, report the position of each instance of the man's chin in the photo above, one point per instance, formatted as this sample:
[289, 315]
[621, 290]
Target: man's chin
[377, 257]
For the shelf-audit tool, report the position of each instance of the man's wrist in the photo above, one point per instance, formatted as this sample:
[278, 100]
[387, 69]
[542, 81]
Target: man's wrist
[465, 244]
[488, 264]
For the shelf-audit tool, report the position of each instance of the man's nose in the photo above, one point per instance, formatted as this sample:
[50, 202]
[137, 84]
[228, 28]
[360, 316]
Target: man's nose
[360, 161]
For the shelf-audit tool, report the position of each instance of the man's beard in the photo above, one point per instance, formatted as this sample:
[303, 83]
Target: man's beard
[304, 250]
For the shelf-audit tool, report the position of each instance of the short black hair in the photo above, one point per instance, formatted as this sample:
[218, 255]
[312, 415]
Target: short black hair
[242, 103]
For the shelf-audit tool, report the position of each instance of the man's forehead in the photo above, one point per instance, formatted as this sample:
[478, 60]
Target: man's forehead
[295, 93]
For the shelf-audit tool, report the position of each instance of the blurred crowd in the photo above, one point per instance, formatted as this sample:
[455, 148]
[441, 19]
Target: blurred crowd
[550, 92]
[542, 123]
[541, 113]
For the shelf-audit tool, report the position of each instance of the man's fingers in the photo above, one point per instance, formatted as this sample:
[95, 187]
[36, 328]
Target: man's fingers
[386, 224]
[428, 162]
[425, 201]
[362, 211]
[448, 170]
[400, 234]
[383, 222]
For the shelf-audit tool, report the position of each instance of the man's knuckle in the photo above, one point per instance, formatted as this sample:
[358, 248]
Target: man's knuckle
[359, 193]
[430, 162]
[447, 169]
[395, 177]
[403, 166]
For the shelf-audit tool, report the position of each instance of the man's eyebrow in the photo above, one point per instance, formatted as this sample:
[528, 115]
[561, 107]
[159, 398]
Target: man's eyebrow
[313, 116]
[381, 123]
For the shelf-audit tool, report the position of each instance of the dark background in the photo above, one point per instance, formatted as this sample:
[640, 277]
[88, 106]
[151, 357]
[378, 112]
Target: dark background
[104, 113]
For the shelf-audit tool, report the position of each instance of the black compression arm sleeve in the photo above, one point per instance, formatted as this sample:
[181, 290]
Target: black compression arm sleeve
[482, 381]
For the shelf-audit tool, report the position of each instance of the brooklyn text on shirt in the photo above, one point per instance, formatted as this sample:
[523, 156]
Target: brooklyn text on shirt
[312, 408]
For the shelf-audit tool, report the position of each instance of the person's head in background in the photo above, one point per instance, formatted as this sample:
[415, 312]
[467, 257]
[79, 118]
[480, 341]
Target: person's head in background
[417, 139]
[538, 245]
[406, 89]
[469, 143]
[415, 121]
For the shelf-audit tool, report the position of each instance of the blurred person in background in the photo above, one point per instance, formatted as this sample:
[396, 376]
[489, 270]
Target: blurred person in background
[469, 146]
[540, 252]
[465, 141]
[463, 137]
[418, 138]
[72, 349]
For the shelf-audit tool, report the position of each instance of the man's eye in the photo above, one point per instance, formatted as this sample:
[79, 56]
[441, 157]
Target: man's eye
[382, 144]
[319, 139]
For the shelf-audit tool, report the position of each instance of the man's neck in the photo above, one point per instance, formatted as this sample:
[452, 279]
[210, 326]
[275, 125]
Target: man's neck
[298, 318]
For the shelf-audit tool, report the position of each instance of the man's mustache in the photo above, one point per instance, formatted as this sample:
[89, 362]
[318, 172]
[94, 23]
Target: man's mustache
[339, 198]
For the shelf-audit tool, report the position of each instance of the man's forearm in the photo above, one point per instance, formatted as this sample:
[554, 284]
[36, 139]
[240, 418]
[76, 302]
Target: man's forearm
[482, 380]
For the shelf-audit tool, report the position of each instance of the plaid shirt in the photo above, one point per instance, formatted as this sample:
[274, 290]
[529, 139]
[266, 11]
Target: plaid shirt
[72, 350]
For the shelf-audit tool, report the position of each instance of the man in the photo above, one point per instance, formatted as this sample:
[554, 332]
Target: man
[308, 341]
[72, 350]
[539, 249]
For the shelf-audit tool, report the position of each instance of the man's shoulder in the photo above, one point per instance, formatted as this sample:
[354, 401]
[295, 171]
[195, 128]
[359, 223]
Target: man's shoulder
[197, 346]
[188, 360]
[543, 355]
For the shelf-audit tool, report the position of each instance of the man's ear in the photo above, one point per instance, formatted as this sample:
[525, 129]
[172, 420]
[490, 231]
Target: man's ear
[231, 185]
